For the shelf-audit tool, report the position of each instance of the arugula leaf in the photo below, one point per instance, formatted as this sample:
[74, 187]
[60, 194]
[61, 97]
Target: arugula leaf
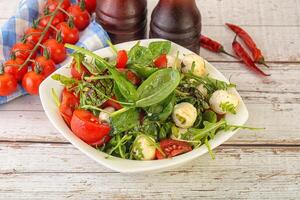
[125, 121]
[228, 107]
[157, 87]
[159, 47]
[64, 79]
[140, 55]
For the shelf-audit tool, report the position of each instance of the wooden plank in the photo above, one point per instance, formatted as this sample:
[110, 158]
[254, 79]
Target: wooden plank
[247, 173]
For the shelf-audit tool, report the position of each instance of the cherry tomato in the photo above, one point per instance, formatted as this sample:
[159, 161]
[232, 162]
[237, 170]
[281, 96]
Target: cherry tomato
[47, 66]
[172, 148]
[131, 76]
[88, 128]
[78, 74]
[110, 103]
[33, 35]
[122, 59]
[68, 104]
[161, 61]
[22, 50]
[81, 17]
[69, 34]
[31, 82]
[8, 84]
[52, 4]
[57, 51]
[56, 20]
[90, 5]
[12, 67]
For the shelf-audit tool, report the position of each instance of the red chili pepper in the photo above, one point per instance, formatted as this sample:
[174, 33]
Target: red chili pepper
[241, 53]
[256, 52]
[213, 45]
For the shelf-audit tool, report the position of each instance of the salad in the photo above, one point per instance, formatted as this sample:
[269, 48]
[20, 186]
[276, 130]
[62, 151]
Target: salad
[144, 104]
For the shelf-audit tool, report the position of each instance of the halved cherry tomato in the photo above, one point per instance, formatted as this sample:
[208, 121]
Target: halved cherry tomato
[69, 33]
[57, 50]
[88, 128]
[68, 104]
[81, 17]
[78, 74]
[32, 35]
[90, 5]
[172, 148]
[22, 50]
[122, 59]
[31, 82]
[12, 67]
[47, 66]
[8, 84]
[110, 103]
[161, 61]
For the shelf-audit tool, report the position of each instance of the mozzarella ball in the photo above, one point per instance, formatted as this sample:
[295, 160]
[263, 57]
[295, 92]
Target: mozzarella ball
[104, 116]
[184, 115]
[198, 62]
[202, 89]
[220, 97]
[144, 148]
[174, 62]
[177, 132]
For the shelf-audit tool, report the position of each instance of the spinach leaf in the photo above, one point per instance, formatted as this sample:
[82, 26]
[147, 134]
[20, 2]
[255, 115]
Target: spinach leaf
[210, 116]
[159, 47]
[125, 121]
[161, 111]
[157, 87]
[125, 87]
[142, 71]
[140, 55]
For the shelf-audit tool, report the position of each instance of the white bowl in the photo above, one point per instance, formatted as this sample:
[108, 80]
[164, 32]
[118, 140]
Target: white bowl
[133, 166]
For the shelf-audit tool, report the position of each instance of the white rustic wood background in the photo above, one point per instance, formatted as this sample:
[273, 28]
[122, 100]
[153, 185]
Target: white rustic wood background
[36, 162]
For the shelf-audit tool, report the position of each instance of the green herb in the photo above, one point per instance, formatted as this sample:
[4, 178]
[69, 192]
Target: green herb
[228, 107]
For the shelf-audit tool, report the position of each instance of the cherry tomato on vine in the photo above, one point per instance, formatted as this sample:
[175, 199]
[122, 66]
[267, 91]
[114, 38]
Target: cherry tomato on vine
[51, 5]
[46, 19]
[22, 50]
[80, 16]
[32, 35]
[88, 128]
[90, 5]
[68, 104]
[122, 59]
[172, 148]
[8, 84]
[69, 32]
[31, 82]
[111, 103]
[161, 61]
[12, 67]
[47, 66]
[57, 51]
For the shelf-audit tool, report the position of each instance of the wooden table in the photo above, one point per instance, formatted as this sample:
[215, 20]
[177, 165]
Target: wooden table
[36, 162]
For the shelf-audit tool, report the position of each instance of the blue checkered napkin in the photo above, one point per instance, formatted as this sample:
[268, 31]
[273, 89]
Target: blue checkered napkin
[93, 37]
